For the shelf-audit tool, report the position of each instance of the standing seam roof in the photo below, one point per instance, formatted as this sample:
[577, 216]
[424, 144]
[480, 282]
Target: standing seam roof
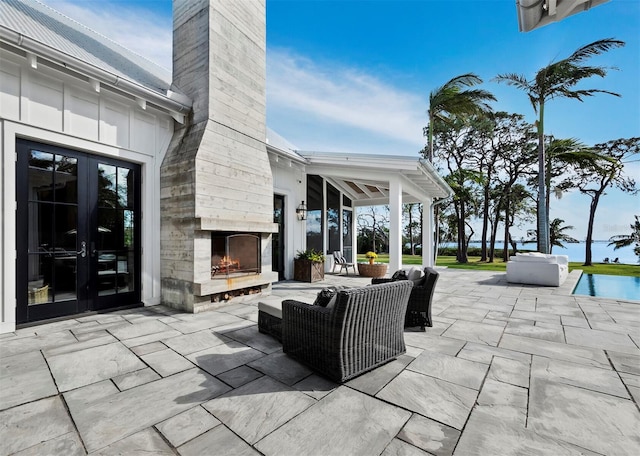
[53, 29]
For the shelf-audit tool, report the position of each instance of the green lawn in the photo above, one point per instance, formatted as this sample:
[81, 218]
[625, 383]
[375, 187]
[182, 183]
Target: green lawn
[474, 263]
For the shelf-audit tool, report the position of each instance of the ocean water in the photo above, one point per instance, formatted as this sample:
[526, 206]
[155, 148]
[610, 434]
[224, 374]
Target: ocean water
[576, 252]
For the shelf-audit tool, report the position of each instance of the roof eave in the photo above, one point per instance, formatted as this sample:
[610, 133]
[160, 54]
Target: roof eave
[175, 103]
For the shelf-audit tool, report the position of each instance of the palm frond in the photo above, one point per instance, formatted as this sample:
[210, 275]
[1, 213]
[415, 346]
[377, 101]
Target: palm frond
[595, 48]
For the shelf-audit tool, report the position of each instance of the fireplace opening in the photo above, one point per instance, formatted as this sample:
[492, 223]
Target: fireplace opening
[234, 254]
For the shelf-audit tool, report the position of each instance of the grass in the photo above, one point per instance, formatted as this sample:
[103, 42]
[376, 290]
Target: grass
[474, 263]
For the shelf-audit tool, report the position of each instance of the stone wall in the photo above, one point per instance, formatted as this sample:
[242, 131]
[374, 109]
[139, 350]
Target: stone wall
[217, 168]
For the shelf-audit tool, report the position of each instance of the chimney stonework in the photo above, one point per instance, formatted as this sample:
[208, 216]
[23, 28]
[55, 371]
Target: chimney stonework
[216, 174]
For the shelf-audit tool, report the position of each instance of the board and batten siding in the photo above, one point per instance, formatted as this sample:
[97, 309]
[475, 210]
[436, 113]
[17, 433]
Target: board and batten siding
[48, 105]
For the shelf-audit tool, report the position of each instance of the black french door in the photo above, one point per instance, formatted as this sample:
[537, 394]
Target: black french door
[277, 239]
[78, 232]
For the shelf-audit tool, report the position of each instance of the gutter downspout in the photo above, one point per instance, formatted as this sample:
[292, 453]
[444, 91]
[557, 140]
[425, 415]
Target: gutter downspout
[172, 101]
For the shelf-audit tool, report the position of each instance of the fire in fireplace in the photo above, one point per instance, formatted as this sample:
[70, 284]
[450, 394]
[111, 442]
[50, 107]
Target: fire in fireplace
[234, 254]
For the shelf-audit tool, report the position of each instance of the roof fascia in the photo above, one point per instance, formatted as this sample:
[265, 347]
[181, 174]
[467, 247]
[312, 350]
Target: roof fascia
[174, 102]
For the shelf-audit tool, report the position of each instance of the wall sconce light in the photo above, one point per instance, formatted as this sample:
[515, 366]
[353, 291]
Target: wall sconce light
[301, 211]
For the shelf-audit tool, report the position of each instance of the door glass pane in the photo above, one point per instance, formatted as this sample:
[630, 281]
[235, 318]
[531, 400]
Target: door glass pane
[107, 186]
[125, 187]
[347, 235]
[314, 212]
[40, 227]
[127, 220]
[66, 179]
[333, 218]
[40, 176]
[107, 273]
[125, 271]
[40, 279]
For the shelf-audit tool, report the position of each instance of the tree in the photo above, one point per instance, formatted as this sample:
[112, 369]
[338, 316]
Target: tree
[373, 231]
[608, 172]
[563, 153]
[451, 101]
[558, 80]
[508, 156]
[458, 143]
[557, 233]
[412, 225]
[624, 240]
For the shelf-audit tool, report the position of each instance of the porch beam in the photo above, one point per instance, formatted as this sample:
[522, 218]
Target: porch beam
[428, 254]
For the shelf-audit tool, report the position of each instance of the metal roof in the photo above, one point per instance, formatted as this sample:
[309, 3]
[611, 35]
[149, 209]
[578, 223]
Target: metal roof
[33, 20]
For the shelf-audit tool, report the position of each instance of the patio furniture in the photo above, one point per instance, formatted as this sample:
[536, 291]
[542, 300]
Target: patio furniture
[359, 330]
[340, 260]
[538, 269]
[419, 307]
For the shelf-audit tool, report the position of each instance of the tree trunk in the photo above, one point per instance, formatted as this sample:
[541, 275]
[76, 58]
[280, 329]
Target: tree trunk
[543, 222]
[505, 250]
[485, 223]
[462, 230]
[592, 215]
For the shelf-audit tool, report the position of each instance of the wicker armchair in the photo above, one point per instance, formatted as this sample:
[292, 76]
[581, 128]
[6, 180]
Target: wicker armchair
[360, 332]
[419, 307]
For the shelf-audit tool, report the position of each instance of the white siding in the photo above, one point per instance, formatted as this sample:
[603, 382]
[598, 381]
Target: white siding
[45, 105]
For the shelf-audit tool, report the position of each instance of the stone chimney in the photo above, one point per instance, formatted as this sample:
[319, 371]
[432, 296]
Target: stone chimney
[216, 175]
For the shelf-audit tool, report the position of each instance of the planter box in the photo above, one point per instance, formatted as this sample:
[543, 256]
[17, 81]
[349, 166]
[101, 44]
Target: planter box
[372, 270]
[308, 271]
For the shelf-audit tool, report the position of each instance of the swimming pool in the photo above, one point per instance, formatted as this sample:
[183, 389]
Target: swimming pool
[609, 286]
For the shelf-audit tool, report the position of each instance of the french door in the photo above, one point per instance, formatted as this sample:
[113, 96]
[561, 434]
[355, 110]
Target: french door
[277, 239]
[78, 232]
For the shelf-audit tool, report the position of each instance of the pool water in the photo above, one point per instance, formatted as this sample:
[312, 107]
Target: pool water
[609, 286]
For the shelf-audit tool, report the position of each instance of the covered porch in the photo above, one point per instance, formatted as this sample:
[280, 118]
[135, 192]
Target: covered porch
[372, 180]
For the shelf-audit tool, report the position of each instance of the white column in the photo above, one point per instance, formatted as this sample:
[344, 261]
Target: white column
[395, 225]
[427, 233]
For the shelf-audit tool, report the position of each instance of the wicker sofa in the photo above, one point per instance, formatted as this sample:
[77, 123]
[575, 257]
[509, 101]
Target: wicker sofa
[419, 307]
[361, 330]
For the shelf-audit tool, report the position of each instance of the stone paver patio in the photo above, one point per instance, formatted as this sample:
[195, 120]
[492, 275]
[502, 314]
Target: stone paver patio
[505, 370]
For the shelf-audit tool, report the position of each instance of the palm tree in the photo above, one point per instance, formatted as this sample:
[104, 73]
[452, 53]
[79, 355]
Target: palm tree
[451, 101]
[558, 80]
[557, 235]
[624, 240]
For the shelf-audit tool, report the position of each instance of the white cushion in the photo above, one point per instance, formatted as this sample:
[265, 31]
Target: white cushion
[271, 306]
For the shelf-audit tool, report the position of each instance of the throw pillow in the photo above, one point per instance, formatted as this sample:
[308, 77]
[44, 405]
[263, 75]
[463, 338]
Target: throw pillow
[399, 275]
[324, 296]
[414, 274]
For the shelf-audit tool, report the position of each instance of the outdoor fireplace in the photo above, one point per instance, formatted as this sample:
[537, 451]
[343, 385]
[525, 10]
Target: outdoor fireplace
[234, 254]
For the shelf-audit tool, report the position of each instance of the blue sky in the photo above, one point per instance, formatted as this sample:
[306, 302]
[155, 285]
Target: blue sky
[355, 75]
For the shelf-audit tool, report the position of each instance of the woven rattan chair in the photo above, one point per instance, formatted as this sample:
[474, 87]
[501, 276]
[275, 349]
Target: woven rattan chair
[419, 307]
[361, 331]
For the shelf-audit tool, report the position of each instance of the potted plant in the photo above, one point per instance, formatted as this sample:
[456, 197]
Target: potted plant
[371, 256]
[308, 266]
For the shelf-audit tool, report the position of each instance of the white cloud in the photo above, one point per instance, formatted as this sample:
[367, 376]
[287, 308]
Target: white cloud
[348, 97]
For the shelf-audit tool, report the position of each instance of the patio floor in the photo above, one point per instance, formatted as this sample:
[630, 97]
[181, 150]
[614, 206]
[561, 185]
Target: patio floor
[505, 370]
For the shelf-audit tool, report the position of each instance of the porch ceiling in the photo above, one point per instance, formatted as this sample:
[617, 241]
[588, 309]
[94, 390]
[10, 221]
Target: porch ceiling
[365, 178]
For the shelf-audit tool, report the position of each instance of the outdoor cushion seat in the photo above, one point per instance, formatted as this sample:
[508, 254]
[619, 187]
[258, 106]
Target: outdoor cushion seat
[419, 307]
[362, 330]
[538, 269]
